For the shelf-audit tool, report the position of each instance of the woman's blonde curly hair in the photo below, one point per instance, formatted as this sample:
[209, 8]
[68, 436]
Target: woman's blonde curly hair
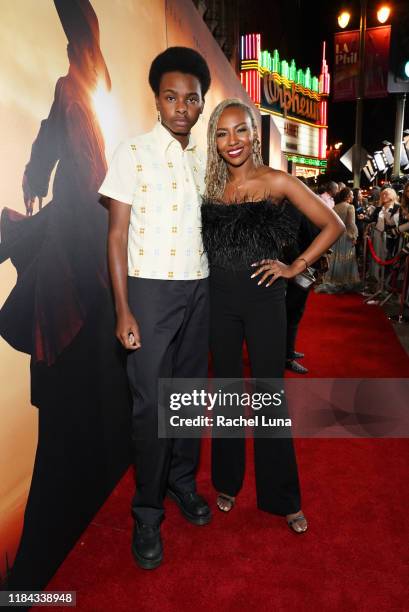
[216, 169]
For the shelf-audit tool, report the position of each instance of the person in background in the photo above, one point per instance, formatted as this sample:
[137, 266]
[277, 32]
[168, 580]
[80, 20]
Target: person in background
[404, 208]
[358, 204]
[373, 201]
[342, 275]
[329, 194]
[401, 217]
[405, 200]
[296, 297]
[341, 186]
[383, 219]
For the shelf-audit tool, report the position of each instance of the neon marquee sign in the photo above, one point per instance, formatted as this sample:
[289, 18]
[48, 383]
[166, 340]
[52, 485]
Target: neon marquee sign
[288, 101]
[294, 95]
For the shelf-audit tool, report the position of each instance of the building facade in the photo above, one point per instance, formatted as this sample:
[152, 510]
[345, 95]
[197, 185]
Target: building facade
[296, 100]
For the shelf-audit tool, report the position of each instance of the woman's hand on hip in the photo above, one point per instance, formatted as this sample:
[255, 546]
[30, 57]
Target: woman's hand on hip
[272, 269]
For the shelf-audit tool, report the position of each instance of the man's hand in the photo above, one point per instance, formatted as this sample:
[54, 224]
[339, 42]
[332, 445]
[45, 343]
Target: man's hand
[127, 331]
[30, 197]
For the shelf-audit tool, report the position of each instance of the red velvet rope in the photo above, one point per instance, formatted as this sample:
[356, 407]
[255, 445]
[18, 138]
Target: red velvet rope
[381, 262]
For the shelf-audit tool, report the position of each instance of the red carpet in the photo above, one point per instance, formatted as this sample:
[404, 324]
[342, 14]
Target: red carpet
[355, 555]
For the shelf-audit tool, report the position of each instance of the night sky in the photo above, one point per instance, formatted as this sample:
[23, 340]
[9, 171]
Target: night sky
[297, 28]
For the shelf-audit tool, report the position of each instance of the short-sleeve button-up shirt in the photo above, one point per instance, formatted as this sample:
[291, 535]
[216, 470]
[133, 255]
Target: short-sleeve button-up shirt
[162, 182]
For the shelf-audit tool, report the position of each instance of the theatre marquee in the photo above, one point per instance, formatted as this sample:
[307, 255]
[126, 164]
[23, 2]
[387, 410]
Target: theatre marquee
[296, 100]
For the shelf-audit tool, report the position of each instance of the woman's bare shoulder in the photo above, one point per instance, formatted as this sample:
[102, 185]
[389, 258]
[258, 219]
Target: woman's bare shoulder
[270, 173]
[275, 180]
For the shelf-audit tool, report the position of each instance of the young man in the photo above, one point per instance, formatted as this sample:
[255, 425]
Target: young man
[159, 278]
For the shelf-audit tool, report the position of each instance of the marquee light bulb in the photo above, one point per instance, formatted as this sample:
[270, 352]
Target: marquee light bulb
[343, 19]
[383, 14]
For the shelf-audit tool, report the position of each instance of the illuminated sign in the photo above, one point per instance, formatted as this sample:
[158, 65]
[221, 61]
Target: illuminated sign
[319, 163]
[285, 98]
[297, 138]
[295, 98]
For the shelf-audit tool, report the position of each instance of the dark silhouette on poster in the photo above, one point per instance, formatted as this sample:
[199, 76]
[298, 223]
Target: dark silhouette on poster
[60, 312]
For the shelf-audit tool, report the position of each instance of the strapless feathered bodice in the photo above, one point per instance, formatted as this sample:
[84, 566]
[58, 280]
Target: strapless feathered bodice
[239, 234]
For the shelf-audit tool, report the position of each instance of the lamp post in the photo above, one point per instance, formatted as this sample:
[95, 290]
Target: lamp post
[343, 20]
[356, 154]
[400, 115]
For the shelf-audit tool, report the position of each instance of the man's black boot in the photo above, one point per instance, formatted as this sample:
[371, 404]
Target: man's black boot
[193, 507]
[147, 545]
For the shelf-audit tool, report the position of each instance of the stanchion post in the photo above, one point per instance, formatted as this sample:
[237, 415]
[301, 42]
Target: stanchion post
[404, 291]
[364, 256]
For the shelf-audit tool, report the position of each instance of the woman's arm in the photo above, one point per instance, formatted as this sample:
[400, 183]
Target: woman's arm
[351, 228]
[282, 185]
[390, 215]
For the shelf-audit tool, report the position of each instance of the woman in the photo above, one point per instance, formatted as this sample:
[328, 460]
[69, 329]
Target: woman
[384, 219]
[343, 273]
[405, 199]
[245, 233]
[400, 230]
[359, 206]
[402, 218]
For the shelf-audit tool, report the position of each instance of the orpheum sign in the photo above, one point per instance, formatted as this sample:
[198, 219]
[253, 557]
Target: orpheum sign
[288, 99]
[295, 98]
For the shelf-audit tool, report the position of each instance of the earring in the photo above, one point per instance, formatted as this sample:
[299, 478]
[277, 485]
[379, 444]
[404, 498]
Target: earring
[256, 147]
[159, 117]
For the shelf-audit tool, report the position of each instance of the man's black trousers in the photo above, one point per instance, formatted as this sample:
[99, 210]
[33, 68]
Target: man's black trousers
[173, 321]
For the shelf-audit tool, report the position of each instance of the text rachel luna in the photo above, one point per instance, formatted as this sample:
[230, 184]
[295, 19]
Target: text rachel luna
[222, 421]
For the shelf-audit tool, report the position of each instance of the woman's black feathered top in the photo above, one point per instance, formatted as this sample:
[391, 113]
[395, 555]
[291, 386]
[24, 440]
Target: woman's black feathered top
[239, 234]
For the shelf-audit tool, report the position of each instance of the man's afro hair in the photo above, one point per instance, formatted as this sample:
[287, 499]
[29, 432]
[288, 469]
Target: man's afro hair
[179, 59]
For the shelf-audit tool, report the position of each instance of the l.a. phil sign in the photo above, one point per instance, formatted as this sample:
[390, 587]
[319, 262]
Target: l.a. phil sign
[346, 65]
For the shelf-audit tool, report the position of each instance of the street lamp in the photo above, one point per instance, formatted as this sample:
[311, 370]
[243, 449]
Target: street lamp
[343, 19]
[383, 14]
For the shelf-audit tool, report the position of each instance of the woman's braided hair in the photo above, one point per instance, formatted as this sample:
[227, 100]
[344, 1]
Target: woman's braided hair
[216, 169]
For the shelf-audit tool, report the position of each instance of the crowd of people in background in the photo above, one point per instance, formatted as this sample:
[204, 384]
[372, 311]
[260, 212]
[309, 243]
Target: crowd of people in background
[381, 212]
